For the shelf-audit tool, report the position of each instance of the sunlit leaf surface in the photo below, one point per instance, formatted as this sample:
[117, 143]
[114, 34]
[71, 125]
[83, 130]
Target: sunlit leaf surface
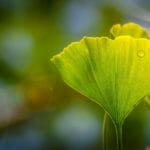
[114, 73]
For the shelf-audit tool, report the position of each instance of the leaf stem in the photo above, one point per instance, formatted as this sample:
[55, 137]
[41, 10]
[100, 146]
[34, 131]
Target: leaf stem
[109, 129]
[118, 128]
[104, 132]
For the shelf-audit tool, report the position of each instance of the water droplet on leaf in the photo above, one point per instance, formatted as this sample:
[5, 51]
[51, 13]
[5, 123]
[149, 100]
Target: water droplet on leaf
[140, 53]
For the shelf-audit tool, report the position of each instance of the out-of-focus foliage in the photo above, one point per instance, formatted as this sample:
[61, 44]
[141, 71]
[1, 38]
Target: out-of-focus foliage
[33, 100]
[130, 29]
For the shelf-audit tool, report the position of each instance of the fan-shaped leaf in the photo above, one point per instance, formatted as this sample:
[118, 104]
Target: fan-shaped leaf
[113, 73]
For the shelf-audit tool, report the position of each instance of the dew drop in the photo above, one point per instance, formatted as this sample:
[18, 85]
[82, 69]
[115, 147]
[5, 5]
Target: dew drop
[140, 53]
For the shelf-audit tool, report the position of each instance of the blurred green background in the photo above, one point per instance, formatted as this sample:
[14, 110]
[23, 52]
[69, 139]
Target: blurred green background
[37, 110]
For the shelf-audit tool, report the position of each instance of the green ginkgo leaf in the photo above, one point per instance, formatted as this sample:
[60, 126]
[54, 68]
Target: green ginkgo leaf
[114, 73]
[131, 29]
